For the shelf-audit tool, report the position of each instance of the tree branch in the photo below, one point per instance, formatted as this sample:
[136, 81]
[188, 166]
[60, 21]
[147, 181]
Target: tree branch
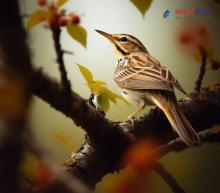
[168, 178]
[107, 141]
[202, 112]
[176, 145]
[198, 83]
[56, 31]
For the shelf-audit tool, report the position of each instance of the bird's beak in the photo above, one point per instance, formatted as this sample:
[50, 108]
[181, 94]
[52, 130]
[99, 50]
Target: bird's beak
[108, 36]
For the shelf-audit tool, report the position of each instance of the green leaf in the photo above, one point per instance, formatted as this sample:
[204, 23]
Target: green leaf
[78, 33]
[86, 73]
[60, 3]
[103, 102]
[142, 5]
[37, 17]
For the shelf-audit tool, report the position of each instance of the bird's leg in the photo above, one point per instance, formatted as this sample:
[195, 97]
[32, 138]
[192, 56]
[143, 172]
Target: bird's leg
[132, 116]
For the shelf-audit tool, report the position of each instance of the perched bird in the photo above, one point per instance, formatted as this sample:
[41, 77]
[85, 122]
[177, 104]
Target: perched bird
[144, 81]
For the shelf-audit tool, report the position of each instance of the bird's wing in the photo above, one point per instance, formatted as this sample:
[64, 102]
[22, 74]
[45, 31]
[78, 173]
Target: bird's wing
[146, 73]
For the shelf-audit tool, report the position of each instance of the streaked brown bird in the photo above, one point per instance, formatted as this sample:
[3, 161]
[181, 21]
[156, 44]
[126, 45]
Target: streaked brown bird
[144, 81]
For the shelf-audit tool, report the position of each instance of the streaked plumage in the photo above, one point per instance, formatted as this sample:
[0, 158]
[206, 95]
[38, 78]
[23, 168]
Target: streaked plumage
[144, 81]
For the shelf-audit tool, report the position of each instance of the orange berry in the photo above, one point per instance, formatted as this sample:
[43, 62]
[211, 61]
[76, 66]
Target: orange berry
[44, 176]
[75, 19]
[139, 155]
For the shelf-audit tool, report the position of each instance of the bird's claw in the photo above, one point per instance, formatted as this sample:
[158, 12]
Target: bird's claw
[131, 119]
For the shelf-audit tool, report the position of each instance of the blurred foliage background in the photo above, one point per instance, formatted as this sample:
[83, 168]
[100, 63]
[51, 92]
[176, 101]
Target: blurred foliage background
[198, 170]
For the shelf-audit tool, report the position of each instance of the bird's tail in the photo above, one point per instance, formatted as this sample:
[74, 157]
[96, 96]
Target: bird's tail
[176, 118]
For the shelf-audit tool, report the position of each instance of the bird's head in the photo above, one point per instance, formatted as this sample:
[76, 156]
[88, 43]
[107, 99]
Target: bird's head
[124, 44]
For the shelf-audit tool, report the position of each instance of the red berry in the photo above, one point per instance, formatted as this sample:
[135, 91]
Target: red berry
[201, 31]
[185, 38]
[75, 19]
[62, 21]
[42, 2]
[215, 65]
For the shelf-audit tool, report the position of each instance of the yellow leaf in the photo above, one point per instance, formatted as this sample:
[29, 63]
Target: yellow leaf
[142, 5]
[103, 102]
[64, 140]
[37, 17]
[78, 33]
[60, 3]
[197, 56]
[86, 73]
[112, 96]
[96, 86]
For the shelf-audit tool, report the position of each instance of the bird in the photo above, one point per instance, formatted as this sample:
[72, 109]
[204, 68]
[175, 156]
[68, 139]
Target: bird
[143, 80]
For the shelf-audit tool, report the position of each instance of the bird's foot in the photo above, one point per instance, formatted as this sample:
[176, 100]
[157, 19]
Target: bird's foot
[131, 119]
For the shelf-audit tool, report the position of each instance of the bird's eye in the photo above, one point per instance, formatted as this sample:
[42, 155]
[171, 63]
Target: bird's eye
[123, 39]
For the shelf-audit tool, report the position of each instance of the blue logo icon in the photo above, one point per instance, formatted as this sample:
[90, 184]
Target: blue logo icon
[167, 14]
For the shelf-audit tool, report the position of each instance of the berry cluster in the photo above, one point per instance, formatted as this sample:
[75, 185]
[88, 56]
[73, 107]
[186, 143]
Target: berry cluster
[58, 17]
[197, 36]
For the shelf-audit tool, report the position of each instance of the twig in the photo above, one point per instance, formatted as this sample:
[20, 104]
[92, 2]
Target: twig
[198, 83]
[56, 31]
[168, 178]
